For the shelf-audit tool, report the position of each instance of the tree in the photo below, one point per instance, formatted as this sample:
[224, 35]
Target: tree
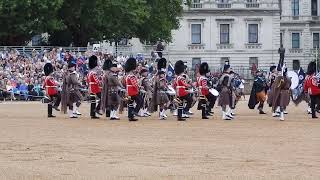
[164, 17]
[22, 19]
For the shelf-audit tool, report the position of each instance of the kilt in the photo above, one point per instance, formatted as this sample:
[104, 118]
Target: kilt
[225, 97]
[113, 98]
[284, 98]
[269, 100]
[74, 96]
[162, 98]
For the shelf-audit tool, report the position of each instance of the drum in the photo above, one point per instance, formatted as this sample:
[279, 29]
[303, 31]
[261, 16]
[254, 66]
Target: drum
[214, 92]
[294, 79]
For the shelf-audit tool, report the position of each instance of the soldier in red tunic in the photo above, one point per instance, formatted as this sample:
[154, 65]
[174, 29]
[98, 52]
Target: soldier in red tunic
[181, 88]
[51, 87]
[312, 87]
[132, 85]
[94, 87]
[205, 96]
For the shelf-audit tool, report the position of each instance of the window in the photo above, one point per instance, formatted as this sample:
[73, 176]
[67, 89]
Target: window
[196, 4]
[295, 7]
[296, 40]
[224, 34]
[316, 40]
[296, 65]
[224, 60]
[281, 38]
[123, 42]
[196, 33]
[253, 61]
[314, 8]
[196, 62]
[253, 33]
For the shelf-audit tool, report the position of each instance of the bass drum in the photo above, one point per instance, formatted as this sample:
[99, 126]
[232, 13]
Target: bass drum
[294, 79]
[214, 92]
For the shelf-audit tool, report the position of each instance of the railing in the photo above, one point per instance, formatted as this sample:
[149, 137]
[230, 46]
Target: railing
[224, 5]
[252, 5]
[224, 46]
[196, 46]
[196, 5]
[295, 50]
[253, 46]
[300, 18]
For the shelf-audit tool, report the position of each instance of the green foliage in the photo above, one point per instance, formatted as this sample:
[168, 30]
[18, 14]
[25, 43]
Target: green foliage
[82, 21]
[22, 19]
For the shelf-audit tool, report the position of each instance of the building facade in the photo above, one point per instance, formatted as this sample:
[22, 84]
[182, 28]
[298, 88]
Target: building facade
[243, 33]
[299, 30]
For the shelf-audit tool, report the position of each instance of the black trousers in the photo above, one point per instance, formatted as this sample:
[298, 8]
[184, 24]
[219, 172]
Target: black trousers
[55, 102]
[189, 100]
[94, 107]
[139, 101]
[314, 101]
[131, 108]
[56, 99]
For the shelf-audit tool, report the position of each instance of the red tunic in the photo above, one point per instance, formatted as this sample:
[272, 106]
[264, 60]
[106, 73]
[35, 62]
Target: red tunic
[203, 85]
[181, 86]
[51, 86]
[311, 85]
[94, 83]
[132, 85]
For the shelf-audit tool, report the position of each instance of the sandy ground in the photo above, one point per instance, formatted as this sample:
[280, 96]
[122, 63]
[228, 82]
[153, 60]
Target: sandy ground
[250, 147]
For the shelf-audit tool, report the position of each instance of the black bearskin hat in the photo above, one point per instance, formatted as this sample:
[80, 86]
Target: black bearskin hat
[107, 64]
[71, 64]
[48, 69]
[272, 68]
[93, 62]
[226, 67]
[179, 67]
[312, 68]
[204, 68]
[162, 64]
[131, 64]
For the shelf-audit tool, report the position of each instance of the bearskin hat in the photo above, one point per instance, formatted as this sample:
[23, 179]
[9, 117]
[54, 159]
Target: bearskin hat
[131, 64]
[71, 64]
[48, 69]
[226, 67]
[204, 68]
[179, 67]
[107, 64]
[162, 64]
[272, 68]
[312, 68]
[93, 62]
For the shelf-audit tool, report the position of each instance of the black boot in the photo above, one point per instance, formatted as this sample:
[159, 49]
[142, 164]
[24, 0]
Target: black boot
[180, 110]
[107, 113]
[204, 113]
[131, 113]
[50, 111]
[314, 116]
[93, 108]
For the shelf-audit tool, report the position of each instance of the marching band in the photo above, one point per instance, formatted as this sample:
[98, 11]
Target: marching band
[144, 92]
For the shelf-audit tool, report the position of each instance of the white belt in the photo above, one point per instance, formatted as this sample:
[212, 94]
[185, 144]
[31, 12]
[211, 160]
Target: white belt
[93, 83]
[51, 86]
[181, 87]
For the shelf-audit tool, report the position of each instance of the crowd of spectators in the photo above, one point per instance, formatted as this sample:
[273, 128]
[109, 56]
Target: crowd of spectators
[22, 77]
